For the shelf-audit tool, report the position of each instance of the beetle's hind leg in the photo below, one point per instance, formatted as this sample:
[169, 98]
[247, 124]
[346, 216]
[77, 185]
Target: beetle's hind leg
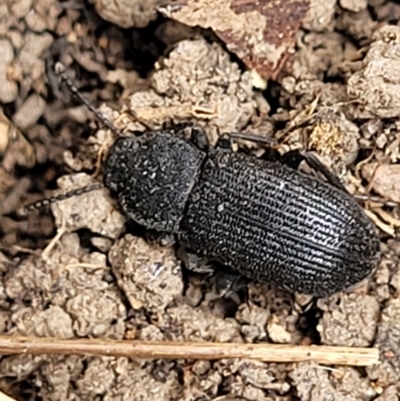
[293, 159]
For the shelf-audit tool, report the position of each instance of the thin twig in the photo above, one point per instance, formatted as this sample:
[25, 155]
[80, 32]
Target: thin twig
[4, 397]
[60, 232]
[328, 355]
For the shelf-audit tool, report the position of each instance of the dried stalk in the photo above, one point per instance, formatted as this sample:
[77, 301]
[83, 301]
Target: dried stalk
[327, 355]
[4, 397]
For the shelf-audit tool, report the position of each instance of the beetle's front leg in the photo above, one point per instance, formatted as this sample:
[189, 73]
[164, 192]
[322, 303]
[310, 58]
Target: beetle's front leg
[199, 137]
[192, 133]
[223, 142]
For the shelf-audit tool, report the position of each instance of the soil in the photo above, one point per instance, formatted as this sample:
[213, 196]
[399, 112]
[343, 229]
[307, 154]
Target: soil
[80, 269]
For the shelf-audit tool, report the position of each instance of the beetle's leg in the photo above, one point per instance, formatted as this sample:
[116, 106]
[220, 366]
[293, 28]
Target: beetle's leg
[228, 283]
[253, 138]
[176, 127]
[196, 135]
[293, 159]
[161, 239]
[224, 142]
[195, 263]
[316, 164]
[199, 138]
[268, 144]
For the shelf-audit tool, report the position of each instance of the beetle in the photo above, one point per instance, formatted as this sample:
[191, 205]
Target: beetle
[260, 219]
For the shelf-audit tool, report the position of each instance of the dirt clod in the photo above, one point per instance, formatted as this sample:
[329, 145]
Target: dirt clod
[388, 342]
[150, 276]
[219, 94]
[314, 383]
[375, 88]
[95, 210]
[349, 320]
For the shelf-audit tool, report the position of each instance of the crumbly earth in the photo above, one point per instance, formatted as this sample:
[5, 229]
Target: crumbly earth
[79, 269]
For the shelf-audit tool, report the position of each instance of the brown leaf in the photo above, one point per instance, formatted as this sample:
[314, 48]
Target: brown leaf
[261, 33]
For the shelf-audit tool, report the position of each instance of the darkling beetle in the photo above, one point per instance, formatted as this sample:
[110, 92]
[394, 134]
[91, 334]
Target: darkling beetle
[262, 220]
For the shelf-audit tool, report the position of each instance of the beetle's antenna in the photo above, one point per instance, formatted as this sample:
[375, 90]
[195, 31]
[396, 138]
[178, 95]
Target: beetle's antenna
[52, 199]
[60, 71]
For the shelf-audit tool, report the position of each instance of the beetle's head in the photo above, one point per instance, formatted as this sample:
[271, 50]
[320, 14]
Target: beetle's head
[152, 176]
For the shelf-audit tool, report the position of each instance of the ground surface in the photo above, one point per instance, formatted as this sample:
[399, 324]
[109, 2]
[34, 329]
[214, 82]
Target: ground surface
[101, 279]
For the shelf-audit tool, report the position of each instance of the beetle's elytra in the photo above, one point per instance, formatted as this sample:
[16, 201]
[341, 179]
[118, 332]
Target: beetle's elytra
[263, 220]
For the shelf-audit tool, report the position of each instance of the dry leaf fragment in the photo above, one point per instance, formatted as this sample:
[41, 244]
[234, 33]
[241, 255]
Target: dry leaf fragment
[261, 33]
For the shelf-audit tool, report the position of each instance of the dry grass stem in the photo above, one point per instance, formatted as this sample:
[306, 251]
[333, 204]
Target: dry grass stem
[327, 355]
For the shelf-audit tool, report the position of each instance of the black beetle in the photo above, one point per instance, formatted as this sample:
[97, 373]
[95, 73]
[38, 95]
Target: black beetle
[264, 220]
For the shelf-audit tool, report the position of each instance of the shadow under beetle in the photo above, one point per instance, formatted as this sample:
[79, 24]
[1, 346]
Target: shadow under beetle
[263, 220]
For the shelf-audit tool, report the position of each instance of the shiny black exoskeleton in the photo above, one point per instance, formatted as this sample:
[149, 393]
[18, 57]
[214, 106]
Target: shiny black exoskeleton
[261, 219]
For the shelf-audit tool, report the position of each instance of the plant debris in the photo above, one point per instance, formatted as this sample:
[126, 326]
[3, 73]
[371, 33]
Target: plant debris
[262, 34]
